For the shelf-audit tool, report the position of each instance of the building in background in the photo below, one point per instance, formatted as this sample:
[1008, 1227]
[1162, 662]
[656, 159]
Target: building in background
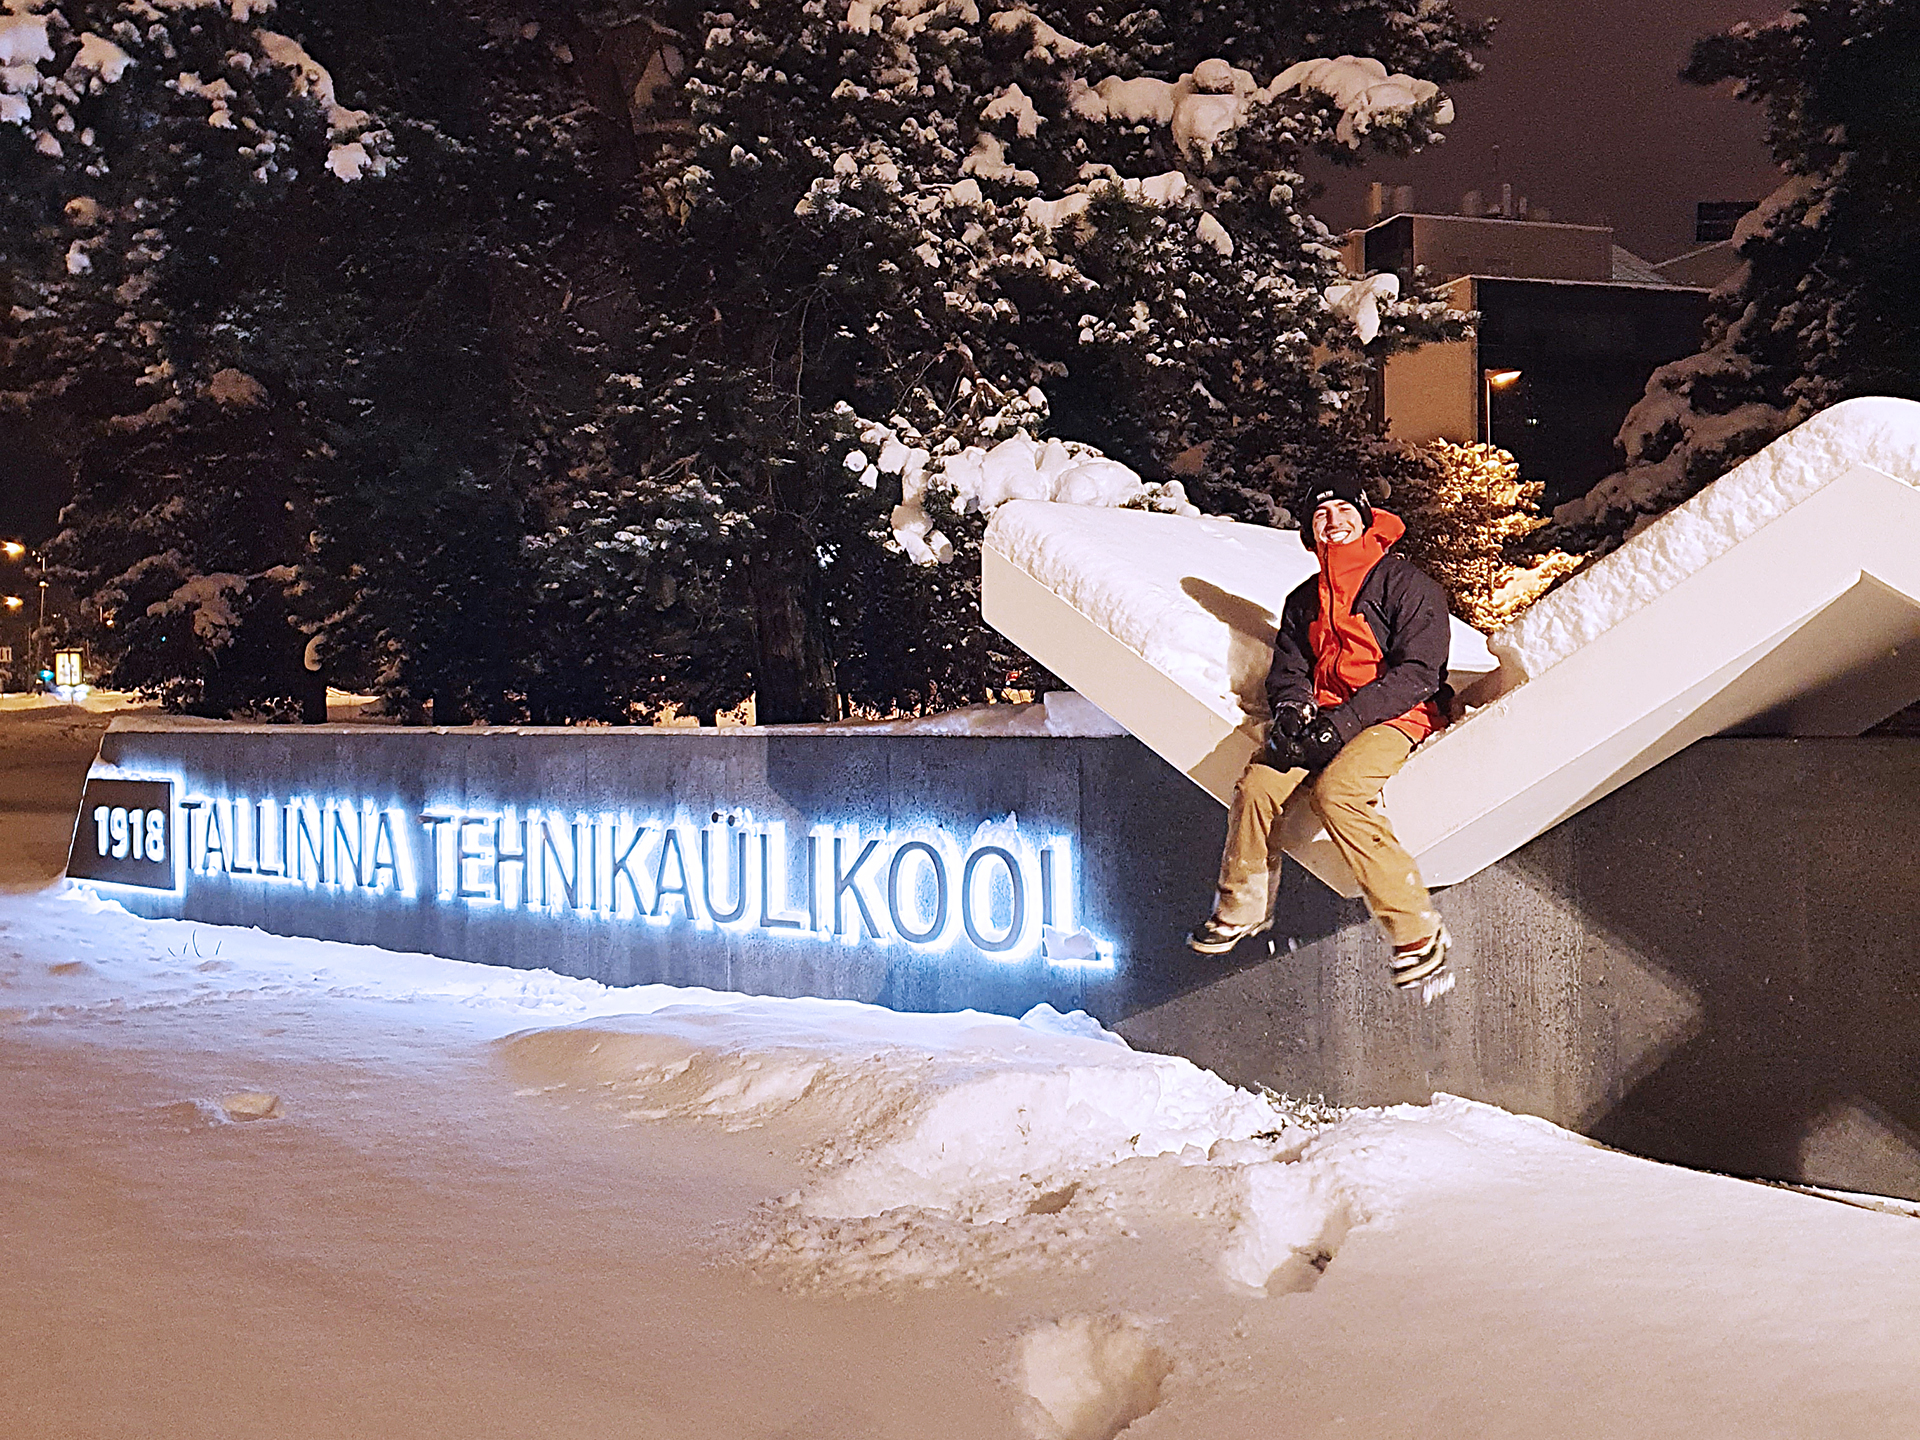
[1712, 259]
[1571, 325]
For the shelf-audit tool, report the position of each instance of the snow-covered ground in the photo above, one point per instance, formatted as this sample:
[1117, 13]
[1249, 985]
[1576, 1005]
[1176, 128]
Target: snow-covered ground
[255, 1186]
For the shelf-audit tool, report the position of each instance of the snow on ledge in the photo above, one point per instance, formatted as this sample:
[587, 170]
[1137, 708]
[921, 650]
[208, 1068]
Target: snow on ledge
[1059, 714]
[1875, 431]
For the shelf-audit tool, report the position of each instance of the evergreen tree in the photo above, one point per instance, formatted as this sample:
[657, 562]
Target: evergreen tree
[311, 333]
[1819, 310]
[1474, 525]
[926, 229]
[134, 146]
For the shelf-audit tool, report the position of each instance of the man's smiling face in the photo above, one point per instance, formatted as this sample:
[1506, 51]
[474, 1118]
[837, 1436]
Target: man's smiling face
[1336, 523]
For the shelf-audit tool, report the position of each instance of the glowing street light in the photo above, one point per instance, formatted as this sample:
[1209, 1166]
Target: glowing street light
[14, 602]
[13, 549]
[1494, 380]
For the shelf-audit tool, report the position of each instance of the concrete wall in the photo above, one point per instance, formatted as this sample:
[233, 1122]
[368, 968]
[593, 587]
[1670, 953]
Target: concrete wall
[1713, 965]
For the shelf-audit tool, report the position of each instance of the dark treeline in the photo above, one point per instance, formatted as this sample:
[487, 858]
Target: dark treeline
[507, 360]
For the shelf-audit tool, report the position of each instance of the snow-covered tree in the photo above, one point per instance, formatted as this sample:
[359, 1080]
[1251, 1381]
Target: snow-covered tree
[1473, 524]
[305, 328]
[1820, 308]
[901, 236]
[135, 145]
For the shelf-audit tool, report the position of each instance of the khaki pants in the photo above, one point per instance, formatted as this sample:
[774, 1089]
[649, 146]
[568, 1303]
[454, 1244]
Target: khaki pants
[1346, 798]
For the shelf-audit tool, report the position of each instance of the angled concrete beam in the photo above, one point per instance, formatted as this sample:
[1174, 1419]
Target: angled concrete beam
[1784, 599]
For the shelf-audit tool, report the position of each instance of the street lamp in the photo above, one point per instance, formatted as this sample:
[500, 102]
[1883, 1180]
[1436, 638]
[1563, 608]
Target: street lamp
[14, 604]
[13, 549]
[1492, 380]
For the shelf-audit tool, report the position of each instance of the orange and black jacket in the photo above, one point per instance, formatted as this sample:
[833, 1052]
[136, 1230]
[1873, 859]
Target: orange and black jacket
[1390, 670]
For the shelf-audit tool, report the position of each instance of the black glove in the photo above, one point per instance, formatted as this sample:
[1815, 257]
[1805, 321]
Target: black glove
[1280, 752]
[1318, 743]
[1290, 717]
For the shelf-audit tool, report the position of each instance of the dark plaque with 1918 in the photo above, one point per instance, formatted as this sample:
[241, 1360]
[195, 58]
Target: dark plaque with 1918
[125, 834]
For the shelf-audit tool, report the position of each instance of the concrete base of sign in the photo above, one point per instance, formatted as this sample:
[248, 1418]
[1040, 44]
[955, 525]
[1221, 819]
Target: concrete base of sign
[1711, 965]
[1783, 600]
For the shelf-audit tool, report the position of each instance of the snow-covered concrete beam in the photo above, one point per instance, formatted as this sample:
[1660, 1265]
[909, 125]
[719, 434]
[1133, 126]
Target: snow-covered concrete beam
[1784, 600]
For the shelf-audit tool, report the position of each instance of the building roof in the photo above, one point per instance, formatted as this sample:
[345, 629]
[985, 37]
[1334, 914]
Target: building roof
[1630, 267]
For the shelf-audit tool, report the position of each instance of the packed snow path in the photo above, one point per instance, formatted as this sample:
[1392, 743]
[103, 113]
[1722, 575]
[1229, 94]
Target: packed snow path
[1783, 599]
[258, 1186]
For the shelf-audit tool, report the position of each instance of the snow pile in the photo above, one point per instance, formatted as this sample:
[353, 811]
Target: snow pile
[974, 1147]
[1883, 434]
[978, 479]
[971, 1145]
[1196, 598]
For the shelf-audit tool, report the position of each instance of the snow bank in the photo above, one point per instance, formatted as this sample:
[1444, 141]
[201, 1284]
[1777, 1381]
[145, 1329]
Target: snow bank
[973, 1146]
[1883, 434]
[429, 1246]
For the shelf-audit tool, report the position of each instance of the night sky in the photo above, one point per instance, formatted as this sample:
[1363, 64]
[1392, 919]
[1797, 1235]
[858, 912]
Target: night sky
[1582, 99]
[1580, 96]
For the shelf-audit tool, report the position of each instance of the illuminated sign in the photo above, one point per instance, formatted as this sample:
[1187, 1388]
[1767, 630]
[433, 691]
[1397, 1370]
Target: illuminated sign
[125, 834]
[69, 668]
[1002, 892]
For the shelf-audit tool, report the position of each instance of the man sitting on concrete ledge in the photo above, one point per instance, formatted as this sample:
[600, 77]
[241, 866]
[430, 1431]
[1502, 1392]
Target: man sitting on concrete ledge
[1358, 679]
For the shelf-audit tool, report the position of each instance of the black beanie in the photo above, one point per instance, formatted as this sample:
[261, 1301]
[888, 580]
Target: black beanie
[1337, 485]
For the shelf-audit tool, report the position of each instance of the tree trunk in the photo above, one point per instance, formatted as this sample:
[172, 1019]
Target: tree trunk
[313, 698]
[793, 673]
